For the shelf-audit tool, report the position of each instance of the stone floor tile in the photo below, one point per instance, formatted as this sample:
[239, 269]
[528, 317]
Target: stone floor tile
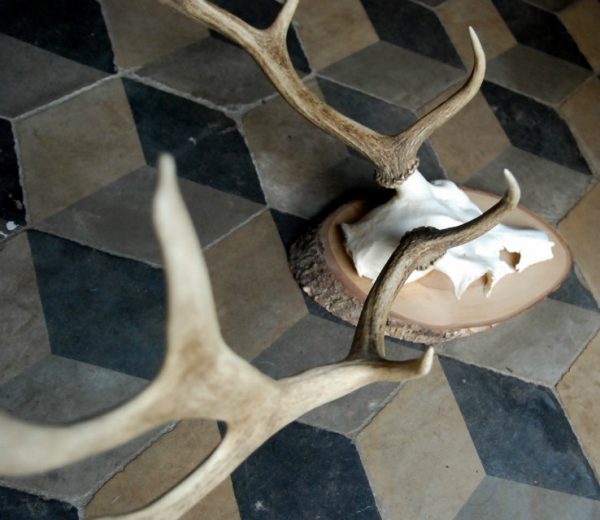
[290, 227]
[88, 319]
[72, 30]
[540, 29]
[16, 505]
[505, 500]
[578, 391]
[574, 291]
[23, 334]
[412, 26]
[206, 145]
[418, 466]
[538, 346]
[431, 3]
[58, 391]
[398, 76]
[520, 431]
[293, 158]
[547, 188]
[580, 228]
[213, 70]
[303, 472]
[144, 30]
[582, 19]
[382, 117]
[97, 220]
[315, 342]
[33, 77]
[159, 468]
[582, 112]
[551, 5]
[256, 296]
[536, 74]
[534, 127]
[332, 31]
[457, 15]
[12, 208]
[70, 150]
[470, 140]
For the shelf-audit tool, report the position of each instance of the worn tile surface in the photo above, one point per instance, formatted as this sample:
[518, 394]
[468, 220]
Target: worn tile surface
[92, 93]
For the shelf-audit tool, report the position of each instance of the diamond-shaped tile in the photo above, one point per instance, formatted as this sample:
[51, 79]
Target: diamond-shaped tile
[520, 431]
[573, 291]
[582, 19]
[12, 208]
[418, 454]
[17, 505]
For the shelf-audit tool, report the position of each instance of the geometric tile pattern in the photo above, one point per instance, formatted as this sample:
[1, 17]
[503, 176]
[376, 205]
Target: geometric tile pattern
[505, 426]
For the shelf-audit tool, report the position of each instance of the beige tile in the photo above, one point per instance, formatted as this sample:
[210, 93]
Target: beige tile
[143, 30]
[580, 228]
[70, 150]
[495, 36]
[257, 298]
[159, 468]
[582, 19]
[331, 31]
[470, 140]
[23, 334]
[579, 391]
[582, 112]
[292, 158]
[418, 469]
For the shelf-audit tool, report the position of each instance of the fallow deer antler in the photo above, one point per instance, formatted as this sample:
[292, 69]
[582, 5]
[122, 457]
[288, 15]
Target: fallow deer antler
[395, 157]
[202, 377]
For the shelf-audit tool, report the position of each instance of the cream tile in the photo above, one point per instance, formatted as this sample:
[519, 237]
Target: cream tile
[580, 228]
[330, 31]
[582, 19]
[70, 150]
[257, 298]
[582, 112]
[470, 140]
[23, 334]
[159, 468]
[143, 30]
[418, 469]
[495, 36]
[579, 390]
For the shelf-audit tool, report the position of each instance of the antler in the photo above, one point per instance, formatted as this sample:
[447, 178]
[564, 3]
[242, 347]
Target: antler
[202, 377]
[395, 157]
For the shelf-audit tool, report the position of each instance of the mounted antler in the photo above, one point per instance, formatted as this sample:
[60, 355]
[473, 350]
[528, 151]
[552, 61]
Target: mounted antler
[395, 157]
[202, 377]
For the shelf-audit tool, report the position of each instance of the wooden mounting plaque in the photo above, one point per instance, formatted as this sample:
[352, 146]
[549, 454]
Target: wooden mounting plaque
[424, 311]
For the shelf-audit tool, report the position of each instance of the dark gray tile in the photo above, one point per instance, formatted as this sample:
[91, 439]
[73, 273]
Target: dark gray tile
[98, 220]
[16, 505]
[396, 75]
[573, 291]
[520, 431]
[33, 77]
[12, 207]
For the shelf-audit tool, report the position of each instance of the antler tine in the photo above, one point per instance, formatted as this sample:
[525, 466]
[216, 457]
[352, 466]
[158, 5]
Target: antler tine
[418, 249]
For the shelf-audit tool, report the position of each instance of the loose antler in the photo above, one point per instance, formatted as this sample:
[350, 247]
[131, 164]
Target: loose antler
[395, 157]
[202, 377]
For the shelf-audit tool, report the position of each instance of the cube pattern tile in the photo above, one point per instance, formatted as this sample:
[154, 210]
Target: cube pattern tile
[506, 424]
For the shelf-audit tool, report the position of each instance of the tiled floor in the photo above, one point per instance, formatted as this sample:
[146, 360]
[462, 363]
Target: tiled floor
[507, 424]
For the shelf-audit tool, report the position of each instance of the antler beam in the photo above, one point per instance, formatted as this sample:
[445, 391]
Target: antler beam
[395, 157]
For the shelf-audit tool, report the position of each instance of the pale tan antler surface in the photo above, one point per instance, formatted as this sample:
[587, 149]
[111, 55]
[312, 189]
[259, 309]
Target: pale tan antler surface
[395, 157]
[202, 377]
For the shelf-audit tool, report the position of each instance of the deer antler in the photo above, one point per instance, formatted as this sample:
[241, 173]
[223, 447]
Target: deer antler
[202, 377]
[395, 157]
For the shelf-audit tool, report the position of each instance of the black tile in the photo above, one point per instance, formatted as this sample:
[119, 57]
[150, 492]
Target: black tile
[206, 144]
[574, 292]
[301, 473]
[540, 29]
[100, 309]
[261, 14]
[74, 30]
[290, 227]
[534, 127]
[520, 431]
[382, 117]
[11, 194]
[412, 26]
[17, 505]
[432, 3]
